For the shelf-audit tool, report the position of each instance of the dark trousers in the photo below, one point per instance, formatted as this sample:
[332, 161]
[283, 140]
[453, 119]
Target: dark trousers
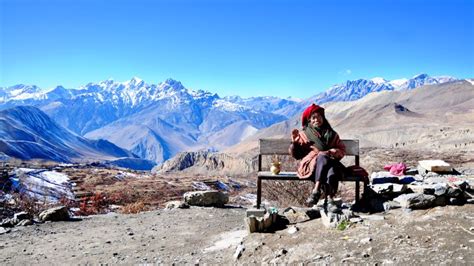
[328, 172]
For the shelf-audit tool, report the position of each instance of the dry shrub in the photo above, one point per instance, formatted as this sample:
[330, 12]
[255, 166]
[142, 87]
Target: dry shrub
[120, 197]
[29, 204]
[135, 207]
[287, 193]
[295, 193]
[94, 204]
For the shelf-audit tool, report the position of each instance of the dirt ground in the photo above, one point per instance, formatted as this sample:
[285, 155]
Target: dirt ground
[442, 235]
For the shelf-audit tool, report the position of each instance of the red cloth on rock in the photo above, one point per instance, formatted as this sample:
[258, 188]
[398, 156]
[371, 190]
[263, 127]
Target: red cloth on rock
[396, 168]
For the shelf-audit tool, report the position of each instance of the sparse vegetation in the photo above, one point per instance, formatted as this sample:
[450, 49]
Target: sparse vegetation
[135, 207]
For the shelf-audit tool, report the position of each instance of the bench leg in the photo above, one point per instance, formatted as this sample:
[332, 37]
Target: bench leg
[357, 192]
[259, 192]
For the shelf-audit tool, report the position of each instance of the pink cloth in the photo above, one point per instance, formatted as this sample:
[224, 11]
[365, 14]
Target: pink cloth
[396, 168]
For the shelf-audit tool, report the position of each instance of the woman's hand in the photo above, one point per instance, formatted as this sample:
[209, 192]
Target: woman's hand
[295, 135]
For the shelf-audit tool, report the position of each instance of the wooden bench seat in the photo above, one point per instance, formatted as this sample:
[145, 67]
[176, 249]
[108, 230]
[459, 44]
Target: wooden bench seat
[280, 147]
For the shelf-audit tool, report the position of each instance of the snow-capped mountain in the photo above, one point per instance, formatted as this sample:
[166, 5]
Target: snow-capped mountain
[355, 89]
[269, 104]
[28, 133]
[157, 121]
[153, 121]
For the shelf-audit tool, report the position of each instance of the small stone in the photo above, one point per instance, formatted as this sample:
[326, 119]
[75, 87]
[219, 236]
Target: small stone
[455, 201]
[4, 231]
[21, 216]
[282, 252]
[299, 215]
[440, 189]
[25, 222]
[373, 217]
[176, 204]
[366, 240]
[389, 205]
[238, 251]
[356, 220]
[292, 230]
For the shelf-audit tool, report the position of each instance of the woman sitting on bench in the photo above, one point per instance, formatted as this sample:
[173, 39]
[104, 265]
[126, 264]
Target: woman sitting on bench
[320, 150]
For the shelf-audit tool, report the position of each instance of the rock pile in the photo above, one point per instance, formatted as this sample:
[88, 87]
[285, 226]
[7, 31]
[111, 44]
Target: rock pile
[420, 189]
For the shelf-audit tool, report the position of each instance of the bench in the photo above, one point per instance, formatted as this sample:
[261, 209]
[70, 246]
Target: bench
[280, 147]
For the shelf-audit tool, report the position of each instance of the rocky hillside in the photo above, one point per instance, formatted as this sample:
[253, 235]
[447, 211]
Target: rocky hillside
[27, 133]
[434, 118]
[204, 163]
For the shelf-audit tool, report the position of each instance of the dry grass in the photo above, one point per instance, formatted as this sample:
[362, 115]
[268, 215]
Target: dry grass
[295, 193]
[135, 207]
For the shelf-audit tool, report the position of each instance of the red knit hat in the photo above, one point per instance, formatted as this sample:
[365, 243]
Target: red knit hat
[308, 111]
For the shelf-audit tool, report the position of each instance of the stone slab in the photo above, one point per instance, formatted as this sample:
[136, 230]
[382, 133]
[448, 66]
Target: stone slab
[436, 165]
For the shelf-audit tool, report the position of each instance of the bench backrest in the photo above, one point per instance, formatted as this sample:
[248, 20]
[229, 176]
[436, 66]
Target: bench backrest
[280, 147]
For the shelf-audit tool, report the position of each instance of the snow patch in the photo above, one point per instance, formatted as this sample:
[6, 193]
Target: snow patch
[379, 80]
[41, 184]
[398, 82]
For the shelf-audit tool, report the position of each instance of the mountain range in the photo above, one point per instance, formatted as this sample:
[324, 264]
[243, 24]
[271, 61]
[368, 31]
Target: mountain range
[155, 122]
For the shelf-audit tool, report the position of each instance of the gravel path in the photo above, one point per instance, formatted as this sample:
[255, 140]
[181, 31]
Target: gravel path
[211, 235]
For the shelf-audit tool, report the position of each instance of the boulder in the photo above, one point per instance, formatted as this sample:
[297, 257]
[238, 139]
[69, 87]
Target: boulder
[21, 216]
[7, 223]
[435, 165]
[206, 198]
[60, 213]
[415, 200]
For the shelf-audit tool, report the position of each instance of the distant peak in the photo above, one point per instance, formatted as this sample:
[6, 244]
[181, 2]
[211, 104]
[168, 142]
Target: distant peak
[421, 76]
[135, 81]
[174, 84]
[379, 80]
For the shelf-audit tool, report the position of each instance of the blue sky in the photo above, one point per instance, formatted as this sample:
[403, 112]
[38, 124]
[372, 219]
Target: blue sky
[249, 48]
